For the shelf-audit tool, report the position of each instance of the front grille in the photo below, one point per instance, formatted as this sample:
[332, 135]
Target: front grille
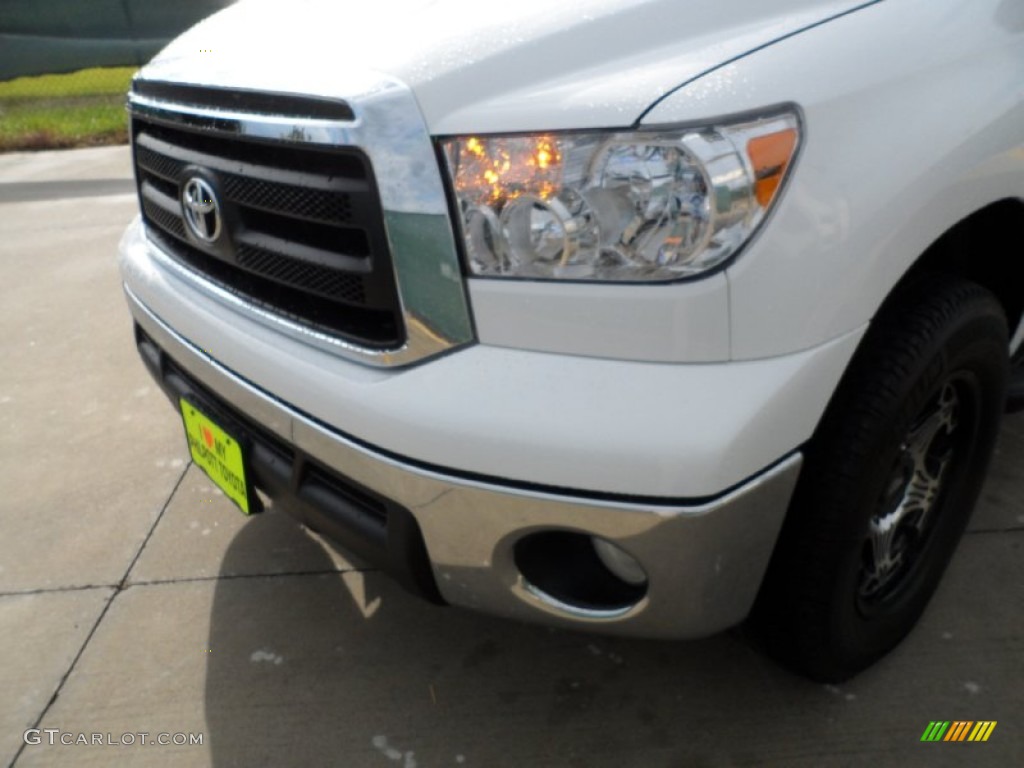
[302, 230]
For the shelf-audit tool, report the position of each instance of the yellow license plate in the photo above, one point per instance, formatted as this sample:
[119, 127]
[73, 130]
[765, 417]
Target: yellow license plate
[217, 453]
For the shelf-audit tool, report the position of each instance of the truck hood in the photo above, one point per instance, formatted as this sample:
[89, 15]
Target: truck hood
[520, 65]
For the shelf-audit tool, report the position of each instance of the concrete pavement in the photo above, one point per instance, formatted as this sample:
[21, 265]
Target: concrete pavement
[135, 599]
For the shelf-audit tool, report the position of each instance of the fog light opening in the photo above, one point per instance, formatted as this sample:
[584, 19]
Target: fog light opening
[580, 572]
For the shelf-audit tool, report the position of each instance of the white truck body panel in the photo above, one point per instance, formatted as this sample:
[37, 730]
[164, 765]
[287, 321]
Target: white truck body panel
[524, 66]
[887, 122]
[668, 420]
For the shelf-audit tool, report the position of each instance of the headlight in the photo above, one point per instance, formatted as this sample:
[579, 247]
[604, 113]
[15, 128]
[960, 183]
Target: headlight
[630, 205]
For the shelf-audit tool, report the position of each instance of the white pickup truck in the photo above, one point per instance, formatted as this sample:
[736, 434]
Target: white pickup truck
[645, 317]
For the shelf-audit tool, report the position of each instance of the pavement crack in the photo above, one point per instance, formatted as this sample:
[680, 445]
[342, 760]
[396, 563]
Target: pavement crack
[116, 589]
[51, 590]
[67, 674]
[152, 528]
[238, 576]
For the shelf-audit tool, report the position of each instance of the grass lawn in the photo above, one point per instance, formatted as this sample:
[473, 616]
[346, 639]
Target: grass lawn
[80, 109]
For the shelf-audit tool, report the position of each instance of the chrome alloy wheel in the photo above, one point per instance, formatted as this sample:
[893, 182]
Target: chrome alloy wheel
[898, 533]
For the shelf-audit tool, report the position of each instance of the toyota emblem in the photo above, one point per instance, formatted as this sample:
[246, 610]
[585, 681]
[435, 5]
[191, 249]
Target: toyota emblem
[202, 212]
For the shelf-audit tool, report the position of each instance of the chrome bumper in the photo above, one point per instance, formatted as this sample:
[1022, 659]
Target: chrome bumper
[704, 561]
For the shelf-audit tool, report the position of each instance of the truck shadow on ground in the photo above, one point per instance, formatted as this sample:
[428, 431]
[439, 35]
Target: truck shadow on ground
[349, 670]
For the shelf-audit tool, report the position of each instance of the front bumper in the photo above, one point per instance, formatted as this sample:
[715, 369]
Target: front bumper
[455, 538]
[620, 428]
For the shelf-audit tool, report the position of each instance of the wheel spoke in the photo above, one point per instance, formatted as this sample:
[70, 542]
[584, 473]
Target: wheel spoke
[930, 452]
[886, 559]
[942, 419]
[926, 453]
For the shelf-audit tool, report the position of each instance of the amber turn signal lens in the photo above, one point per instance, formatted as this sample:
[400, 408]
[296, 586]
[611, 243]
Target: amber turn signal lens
[770, 156]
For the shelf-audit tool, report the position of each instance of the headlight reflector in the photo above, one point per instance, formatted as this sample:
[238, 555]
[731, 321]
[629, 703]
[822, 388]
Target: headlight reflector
[628, 206]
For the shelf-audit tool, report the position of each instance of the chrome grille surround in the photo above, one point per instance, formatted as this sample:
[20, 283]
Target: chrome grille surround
[388, 128]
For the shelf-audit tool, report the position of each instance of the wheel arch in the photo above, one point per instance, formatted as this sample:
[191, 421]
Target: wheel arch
[974, 248]
[986, 247]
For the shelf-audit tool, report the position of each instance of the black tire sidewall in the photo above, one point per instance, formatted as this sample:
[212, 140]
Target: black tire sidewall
[970, 349]
[808, 613]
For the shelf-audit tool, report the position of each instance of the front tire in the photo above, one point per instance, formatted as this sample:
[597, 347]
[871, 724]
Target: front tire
[889, 480]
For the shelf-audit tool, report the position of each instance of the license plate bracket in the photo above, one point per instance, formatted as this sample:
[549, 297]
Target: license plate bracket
[221, 455]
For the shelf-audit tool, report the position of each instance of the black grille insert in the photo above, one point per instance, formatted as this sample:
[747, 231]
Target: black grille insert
[303, 232]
